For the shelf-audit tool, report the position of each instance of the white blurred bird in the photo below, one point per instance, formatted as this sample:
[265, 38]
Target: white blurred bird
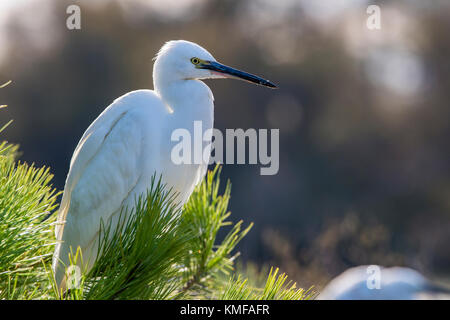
[130, 141]
[396, 283]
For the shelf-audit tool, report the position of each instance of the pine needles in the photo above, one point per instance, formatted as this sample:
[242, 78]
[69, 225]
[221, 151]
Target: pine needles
[26, 198]
[157, 251]
[204, 215]
[154, 251]
[275, 288]
[141, 257]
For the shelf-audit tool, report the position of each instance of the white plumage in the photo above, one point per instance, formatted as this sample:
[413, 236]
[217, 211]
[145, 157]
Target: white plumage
[396, 283]
[131, 141]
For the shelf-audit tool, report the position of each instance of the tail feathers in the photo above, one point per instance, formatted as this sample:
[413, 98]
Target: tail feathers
[67, 266]
[59, 269]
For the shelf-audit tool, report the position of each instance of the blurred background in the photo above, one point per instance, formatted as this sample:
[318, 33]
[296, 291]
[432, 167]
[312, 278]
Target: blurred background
[363, 114]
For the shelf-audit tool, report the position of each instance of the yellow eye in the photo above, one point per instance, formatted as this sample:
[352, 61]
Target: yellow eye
[195, 60]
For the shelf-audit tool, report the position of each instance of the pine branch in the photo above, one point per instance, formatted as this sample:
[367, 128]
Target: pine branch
[140, 258]
[276, 288]
[25, 197]
[204, 214]
[154, 251]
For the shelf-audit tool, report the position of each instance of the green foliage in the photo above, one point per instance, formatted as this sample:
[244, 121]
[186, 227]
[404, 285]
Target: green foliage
[275, 288]
[153, 251]
[158, 252]
[140, 258]
[26, 198]
[204, 215]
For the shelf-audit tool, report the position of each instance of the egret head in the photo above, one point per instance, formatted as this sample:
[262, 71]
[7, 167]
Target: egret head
[184, 60]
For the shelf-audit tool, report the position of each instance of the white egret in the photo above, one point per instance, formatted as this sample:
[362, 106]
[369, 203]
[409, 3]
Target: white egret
[396, 283]
[131, 140]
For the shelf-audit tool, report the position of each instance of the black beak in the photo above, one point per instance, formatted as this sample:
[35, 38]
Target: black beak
[238, 74]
